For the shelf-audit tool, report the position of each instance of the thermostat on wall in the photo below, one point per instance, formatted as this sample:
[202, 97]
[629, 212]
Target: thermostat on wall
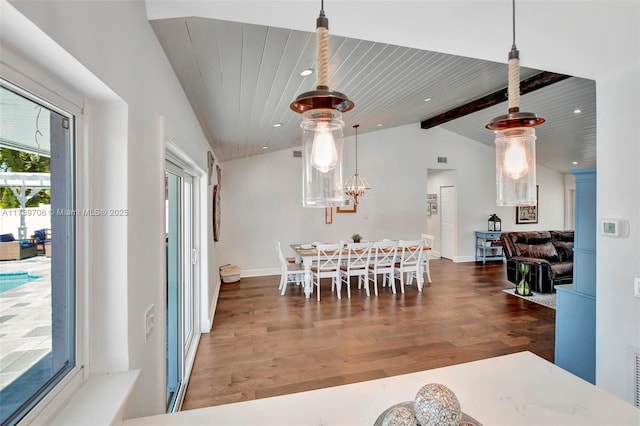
[612, 227]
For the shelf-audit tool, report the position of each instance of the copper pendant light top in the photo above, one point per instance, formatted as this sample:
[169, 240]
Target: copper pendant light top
[515, 119]
[322, 97]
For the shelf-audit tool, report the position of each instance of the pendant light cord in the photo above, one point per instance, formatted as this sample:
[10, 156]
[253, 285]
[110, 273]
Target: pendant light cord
[514, 68]
[356, 127]
[322, 49]
[513, 18]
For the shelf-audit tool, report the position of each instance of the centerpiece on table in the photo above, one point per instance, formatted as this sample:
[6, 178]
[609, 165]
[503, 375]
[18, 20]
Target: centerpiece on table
[434, 405]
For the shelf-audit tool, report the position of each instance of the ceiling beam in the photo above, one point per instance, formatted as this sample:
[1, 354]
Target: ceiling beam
[536, 82]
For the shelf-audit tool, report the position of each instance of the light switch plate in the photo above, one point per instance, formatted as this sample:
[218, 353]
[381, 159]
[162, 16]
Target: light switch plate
[636, 287]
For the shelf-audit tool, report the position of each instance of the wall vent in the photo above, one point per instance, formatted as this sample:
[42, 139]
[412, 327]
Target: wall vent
[636, 379]
[442, 159]
[297, 154]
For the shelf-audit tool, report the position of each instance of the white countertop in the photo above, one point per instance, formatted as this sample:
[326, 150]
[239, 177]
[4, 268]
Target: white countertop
[516, 389]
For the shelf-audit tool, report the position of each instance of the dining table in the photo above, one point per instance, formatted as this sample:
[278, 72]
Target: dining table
[307, 253]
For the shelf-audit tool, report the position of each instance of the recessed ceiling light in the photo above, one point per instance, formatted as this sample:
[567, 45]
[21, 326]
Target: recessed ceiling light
[427, 100]
[379, 124]
[306, 72]
[277, 125]
[574, 162]
[577, 111]
[265, 147]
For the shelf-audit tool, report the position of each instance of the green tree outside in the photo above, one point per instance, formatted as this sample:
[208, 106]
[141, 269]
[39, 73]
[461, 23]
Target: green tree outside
[20, 161]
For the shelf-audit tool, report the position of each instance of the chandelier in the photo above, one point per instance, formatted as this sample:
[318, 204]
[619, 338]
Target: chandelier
[322, 130]
[515, 142]
[356, 187]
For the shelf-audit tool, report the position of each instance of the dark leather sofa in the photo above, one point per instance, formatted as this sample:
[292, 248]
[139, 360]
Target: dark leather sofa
[550, 254]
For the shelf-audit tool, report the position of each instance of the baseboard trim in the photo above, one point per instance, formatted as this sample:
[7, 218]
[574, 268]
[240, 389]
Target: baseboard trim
[214, 303]
[461, 259]
[259, 272]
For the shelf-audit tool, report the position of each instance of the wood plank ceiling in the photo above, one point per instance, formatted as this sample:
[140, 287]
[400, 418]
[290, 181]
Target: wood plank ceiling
[241, 78]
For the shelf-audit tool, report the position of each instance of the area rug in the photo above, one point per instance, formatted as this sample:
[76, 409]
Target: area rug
[545, 299]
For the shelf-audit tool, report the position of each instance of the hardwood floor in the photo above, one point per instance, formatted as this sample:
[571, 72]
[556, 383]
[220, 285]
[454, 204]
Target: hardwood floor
[263, 344]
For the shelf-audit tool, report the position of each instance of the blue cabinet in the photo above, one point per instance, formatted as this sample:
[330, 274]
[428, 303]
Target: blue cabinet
[575, 348]
[576, 332]
[584, 251]
[488, 246]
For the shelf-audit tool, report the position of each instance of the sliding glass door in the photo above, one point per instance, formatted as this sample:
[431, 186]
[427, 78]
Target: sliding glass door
[181, 290]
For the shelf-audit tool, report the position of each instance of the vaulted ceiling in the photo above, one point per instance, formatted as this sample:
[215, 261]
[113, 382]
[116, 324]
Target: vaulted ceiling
[240, 79]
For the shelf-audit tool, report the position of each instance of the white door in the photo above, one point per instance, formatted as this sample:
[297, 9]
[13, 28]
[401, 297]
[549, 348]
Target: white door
[448, 221]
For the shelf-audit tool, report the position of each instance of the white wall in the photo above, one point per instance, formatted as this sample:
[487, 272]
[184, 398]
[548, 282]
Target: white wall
[262, 196]
[618, 259]
[124, 169]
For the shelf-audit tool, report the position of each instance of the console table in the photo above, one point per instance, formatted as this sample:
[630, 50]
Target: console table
[488, 246]
[515, 389]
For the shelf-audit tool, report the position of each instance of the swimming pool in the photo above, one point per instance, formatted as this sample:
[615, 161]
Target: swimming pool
[11, 280]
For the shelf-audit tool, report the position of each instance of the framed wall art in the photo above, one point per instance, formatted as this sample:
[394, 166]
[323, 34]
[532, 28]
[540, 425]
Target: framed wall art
[528, 214]
[210, 161]
[216, 212]
[328, 215]
[349, 208]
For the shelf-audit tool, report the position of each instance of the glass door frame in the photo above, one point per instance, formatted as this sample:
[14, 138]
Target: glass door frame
[190, 259]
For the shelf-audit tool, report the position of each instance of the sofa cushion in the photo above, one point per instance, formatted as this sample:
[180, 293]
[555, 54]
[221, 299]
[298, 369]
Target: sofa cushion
[562, 235]
[27, 245]
[530, 237]
[565, 250]
[561, 269]
[6, 238]
[544, 251]
[40, 234]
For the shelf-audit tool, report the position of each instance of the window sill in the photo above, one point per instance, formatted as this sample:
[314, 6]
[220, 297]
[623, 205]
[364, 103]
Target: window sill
[100, 400]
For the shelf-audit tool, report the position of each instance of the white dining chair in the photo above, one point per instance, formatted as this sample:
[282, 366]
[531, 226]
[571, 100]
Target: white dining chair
[327, 265]
[428, 242]
[383, 259]
[356, 265]
[289, 272]
[409, 262]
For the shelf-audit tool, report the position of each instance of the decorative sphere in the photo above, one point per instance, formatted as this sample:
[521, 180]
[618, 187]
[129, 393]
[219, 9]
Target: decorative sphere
[437, 405]
[400, 416]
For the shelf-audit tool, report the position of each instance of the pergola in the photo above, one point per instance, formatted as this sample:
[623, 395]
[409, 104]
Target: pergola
[24, 186]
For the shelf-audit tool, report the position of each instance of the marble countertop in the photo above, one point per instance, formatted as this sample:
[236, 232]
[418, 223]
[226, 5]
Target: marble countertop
[516, 389]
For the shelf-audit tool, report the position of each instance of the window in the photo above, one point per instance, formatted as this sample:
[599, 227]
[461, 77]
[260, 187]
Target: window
[37, 250]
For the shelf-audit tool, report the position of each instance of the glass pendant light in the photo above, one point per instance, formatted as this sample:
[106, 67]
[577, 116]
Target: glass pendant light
[515, 142]
[356, 187]
[322, 130]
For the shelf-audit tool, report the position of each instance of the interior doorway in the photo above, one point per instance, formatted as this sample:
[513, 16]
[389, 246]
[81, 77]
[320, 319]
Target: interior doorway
[448, 221]
[437, 179]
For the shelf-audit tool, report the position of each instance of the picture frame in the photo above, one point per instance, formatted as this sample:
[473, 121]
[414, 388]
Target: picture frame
[216, 212]
[433, 207]
[347, 209]
[210, 161]
[328, 215]
[528, 214]
[431, 198]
